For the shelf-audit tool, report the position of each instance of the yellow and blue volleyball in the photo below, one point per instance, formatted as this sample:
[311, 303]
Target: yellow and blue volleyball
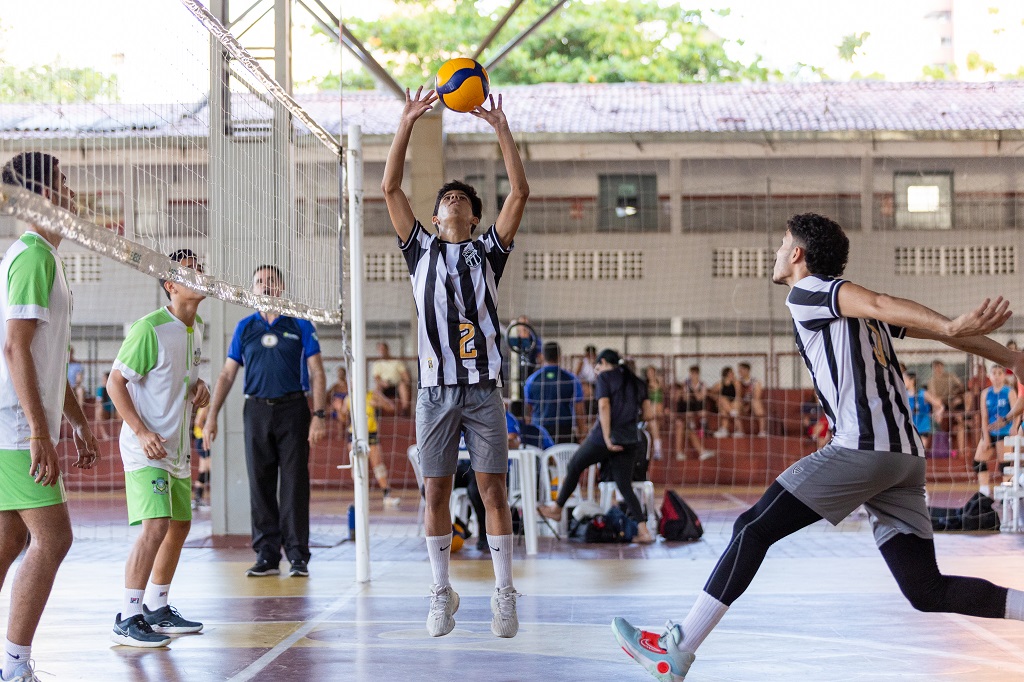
[462, 84]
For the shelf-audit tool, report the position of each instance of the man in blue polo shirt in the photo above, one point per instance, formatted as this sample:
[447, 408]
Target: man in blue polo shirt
[279, 428]
[555, 397]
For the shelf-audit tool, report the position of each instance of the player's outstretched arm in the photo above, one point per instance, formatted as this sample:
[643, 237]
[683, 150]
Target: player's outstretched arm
[856, 301]
[511, 214]
[398, 204]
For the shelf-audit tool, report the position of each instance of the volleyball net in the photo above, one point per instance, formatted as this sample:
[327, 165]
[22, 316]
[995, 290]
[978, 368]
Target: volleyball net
[201, 150]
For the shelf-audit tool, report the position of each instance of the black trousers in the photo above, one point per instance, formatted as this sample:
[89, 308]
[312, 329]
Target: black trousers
[276, 440]
[910, 559]
[620, 464]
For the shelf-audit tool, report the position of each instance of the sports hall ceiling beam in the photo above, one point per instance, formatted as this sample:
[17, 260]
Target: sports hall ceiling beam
[511, 45]
[337, 31]
[486, 42]
[364, 56]
[241, 16]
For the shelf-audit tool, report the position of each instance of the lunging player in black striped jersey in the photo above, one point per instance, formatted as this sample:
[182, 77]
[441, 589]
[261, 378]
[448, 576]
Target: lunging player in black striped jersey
[454, 280]
[844, 333]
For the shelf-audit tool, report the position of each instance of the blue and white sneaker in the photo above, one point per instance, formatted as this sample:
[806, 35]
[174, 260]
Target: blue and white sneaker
[660, 655]
[135, 631]
[167, 621]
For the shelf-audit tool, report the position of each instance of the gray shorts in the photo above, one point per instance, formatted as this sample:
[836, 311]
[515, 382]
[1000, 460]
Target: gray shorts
[444, 412]
[834, 481]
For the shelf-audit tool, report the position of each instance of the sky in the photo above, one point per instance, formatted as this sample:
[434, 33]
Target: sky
[158, 50]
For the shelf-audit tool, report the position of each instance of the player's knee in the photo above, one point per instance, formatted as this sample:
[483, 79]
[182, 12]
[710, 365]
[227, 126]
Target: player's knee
[204, 477]
[924, 598]
[743, 521]
[980, 467]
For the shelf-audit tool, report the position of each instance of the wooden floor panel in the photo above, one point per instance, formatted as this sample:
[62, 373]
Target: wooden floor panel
[822, 608]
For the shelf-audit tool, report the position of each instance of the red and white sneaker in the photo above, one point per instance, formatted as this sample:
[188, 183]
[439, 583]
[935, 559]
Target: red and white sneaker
[658, 654]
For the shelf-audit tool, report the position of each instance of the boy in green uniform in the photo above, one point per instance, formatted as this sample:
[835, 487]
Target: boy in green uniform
[35, 307]
[155, 387]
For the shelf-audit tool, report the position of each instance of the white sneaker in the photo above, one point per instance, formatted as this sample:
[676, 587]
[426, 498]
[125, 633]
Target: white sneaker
[707, 454]
[444, 602]
[25, 673]
[503, 605]
[738, 434]
[721, 433]
[762, 434]
[392, 502]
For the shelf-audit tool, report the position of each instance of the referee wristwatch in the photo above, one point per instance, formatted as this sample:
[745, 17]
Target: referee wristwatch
[320, 413]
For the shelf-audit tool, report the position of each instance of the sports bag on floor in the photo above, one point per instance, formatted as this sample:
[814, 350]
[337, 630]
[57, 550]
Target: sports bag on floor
[679, 523]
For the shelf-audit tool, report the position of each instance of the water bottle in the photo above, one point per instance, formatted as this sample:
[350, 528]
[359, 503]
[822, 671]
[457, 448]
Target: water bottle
[351, 522]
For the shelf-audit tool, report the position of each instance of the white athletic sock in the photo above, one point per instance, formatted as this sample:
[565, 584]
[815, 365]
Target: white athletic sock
[1014, 605]
[439, 550]
[701, 620]
[501, 557]
[156, 596]
[985, 490]
[15, 656]
[132, 603]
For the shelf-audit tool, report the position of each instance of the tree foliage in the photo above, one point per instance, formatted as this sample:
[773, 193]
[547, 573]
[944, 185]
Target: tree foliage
[601, 41]
[851, 44]
[53, 83]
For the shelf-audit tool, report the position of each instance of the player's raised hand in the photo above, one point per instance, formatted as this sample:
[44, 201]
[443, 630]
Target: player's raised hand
[418, 104]
[986, 318]
[495, 116]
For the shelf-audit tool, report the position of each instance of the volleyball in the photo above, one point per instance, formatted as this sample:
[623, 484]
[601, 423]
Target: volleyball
[462, 84]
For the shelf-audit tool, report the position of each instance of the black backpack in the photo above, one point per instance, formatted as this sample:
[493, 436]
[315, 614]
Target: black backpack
[614, 526]
[679, 523]
[977, 514]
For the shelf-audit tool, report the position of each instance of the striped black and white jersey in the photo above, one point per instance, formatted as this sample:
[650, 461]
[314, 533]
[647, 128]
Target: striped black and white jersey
[855, 370]
[456, 292]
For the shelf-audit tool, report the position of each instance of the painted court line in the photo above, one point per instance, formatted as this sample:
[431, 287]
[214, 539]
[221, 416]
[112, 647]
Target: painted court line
[261, 663]
[982, 633]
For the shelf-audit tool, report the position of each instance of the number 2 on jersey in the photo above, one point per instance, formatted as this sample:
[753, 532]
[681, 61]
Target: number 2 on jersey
[467, 350]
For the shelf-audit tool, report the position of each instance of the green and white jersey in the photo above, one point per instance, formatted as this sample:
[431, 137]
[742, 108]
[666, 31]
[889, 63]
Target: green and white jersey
[160, 359]
[35, 287]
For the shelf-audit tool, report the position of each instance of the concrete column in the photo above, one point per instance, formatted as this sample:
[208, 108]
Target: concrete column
[675, 188]
[229, 479]
[867, 193]
[425, 168]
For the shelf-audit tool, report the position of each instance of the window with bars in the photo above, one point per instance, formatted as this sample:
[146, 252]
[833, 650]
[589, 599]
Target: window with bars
[741, 263]
[83, 268]
[991, 259]
[383, 267]
[583, 265]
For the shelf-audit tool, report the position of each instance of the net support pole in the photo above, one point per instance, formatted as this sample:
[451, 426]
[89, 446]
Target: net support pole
[360, 445]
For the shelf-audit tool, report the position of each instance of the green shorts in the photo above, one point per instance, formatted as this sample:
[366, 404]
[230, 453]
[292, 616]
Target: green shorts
[153, 493]
[18, 490]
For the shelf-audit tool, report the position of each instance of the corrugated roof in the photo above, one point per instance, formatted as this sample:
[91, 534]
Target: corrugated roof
[572, 109]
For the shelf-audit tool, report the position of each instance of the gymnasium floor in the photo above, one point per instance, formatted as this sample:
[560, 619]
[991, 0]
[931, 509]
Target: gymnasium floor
[822, 608]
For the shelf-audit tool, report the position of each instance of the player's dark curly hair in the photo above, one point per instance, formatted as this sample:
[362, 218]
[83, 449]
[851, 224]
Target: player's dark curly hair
[826, 246]
[474, 199]
[31, 170]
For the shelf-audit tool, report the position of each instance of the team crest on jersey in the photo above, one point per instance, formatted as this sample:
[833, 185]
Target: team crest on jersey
[470, 255]
[197, 355]
[160, 486]
[430, 363]
[269, 340]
